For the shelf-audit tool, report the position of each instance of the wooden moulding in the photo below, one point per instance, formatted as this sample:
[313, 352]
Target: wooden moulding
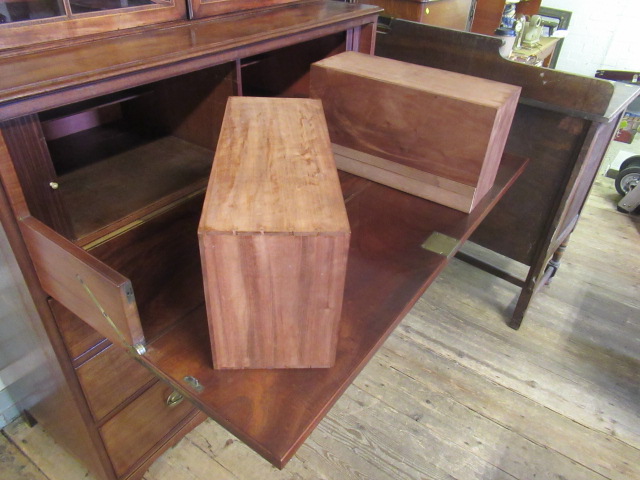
[432, 133]
[274, 237]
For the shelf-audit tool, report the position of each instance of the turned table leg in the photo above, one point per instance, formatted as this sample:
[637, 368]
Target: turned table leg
[554, 263]
[532, 285]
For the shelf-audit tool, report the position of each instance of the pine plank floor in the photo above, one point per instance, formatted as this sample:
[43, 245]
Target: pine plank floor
[454, 393]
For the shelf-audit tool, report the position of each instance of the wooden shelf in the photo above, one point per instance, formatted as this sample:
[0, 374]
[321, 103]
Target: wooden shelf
[131, 182]
[274, 411]
[149, 55]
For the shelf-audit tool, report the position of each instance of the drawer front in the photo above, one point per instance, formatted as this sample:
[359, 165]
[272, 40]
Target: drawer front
[142, 426]
[78, 337]
[110, 378]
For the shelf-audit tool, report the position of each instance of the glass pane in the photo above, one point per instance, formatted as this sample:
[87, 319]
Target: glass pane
[21, 10]
[84, 6]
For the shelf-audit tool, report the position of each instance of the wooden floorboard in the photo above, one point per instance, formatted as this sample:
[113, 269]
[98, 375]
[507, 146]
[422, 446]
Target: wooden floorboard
[15, 465]
[456, 394]
[41, 450]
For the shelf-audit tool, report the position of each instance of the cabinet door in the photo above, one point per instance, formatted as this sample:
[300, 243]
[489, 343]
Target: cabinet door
[442, 13]
[449, 14]
[35, 21]
[93, 291]
[210, 8]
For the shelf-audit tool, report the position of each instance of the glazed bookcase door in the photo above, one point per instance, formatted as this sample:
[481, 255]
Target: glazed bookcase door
[27, 22]
[209, 8]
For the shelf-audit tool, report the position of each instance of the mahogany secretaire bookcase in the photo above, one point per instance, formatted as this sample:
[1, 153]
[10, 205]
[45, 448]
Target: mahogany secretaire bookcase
[109, 118]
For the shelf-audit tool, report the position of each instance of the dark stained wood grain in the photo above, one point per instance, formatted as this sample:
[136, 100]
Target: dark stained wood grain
[405, 414]
[285, 72]
[275, 410]
[122, 187]
[551, 140]
[16, 201]
[454, 14]
[189, 107]
[530, 7]
[562, 123]
[139, 471]
[566, 216]
[579, 184]
[90, 144]
[363, 38]
[487, 15]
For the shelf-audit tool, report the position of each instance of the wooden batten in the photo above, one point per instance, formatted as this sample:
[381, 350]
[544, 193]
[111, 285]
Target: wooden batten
[432, 133]
[274, 237]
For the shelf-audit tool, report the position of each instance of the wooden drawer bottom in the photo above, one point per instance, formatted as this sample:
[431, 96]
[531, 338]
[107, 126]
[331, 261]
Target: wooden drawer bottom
[144, 423]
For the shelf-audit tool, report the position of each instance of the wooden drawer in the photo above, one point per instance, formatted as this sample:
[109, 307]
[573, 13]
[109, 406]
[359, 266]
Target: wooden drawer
[143, 426]
[79, 338]
[110, 378]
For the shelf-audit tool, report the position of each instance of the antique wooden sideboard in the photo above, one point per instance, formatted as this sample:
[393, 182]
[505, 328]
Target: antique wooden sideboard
[106, 145]
[563, 124]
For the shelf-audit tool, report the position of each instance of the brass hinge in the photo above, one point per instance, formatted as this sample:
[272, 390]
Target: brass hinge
[441, 244]
[138, 348]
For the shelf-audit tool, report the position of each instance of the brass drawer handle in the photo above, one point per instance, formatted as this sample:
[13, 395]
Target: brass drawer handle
[174, 398]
